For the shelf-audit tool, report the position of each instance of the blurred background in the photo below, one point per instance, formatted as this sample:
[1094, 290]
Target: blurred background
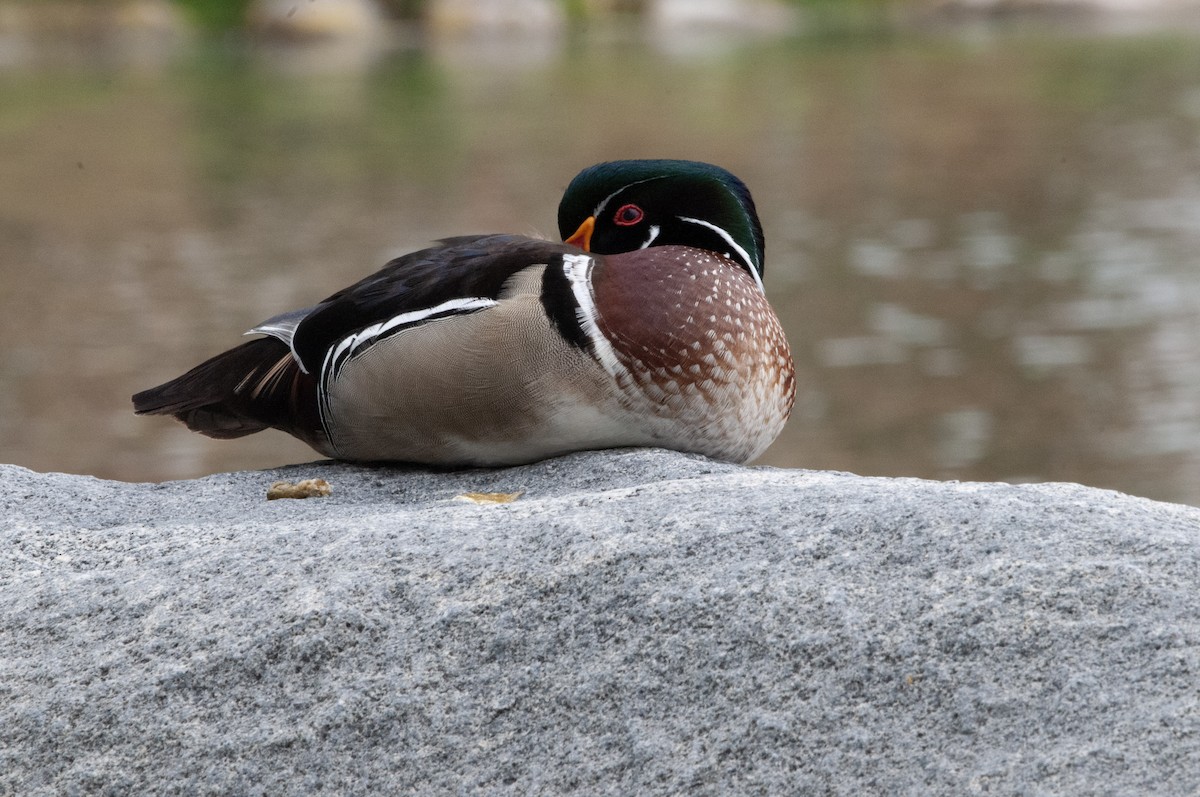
[982, 217]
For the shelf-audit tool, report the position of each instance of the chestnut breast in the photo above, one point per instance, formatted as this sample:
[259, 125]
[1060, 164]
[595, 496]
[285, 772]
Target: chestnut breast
[690, 324]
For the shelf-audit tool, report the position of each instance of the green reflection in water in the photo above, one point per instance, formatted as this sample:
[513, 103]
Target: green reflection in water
[257, 128]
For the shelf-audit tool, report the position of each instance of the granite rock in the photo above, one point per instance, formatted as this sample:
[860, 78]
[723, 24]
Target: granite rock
[635, 622]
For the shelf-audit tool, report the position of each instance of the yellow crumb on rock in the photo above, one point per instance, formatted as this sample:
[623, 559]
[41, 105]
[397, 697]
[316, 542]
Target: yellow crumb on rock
[489, 498]
[308, 488]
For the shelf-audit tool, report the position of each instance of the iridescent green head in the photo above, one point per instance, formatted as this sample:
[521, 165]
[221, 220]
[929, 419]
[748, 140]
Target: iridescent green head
[622, 206]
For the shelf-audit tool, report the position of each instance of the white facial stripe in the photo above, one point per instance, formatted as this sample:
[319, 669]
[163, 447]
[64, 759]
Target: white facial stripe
[734, 245]
[654, 231]
[578, 269]
[600, 208]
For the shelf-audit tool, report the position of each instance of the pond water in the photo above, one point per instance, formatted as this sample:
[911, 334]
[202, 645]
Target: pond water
[983, 242]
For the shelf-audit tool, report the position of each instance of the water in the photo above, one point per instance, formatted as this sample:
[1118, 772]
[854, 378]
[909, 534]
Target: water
[983, 243]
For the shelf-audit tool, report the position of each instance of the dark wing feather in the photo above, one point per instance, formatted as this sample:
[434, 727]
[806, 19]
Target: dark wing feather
[241, 391]
[467, 266]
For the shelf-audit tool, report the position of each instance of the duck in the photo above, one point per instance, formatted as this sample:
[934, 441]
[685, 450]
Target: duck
[646, 326]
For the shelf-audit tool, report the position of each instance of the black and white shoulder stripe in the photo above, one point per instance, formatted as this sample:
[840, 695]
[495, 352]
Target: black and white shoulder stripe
[570, 302]
[356, 344]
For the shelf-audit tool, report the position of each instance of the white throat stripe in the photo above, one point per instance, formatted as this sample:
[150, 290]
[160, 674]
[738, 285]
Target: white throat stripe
[654, 231]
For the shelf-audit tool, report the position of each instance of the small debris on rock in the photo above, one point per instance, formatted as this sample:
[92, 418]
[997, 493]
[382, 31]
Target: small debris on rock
[309, 488]
[489, 498]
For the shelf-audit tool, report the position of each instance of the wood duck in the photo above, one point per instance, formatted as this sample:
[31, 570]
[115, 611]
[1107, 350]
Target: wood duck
[647, 326]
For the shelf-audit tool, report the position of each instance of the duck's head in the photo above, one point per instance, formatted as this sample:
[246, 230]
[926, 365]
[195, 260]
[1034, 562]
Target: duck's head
[622, 206]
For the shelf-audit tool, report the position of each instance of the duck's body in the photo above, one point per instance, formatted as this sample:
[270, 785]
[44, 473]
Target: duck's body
[502, 349]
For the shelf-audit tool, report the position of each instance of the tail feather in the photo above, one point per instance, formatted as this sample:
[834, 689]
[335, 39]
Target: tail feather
[255, 386]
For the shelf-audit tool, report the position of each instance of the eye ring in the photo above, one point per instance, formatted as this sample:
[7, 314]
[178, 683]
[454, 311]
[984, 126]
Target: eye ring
[628, 215]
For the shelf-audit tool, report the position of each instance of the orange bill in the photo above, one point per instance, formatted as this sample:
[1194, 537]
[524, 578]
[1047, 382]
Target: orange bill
[583, 236]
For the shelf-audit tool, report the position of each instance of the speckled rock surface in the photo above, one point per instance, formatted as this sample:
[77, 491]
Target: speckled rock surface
[636, 622]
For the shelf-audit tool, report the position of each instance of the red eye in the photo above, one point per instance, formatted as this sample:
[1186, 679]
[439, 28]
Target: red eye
[628, 215]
